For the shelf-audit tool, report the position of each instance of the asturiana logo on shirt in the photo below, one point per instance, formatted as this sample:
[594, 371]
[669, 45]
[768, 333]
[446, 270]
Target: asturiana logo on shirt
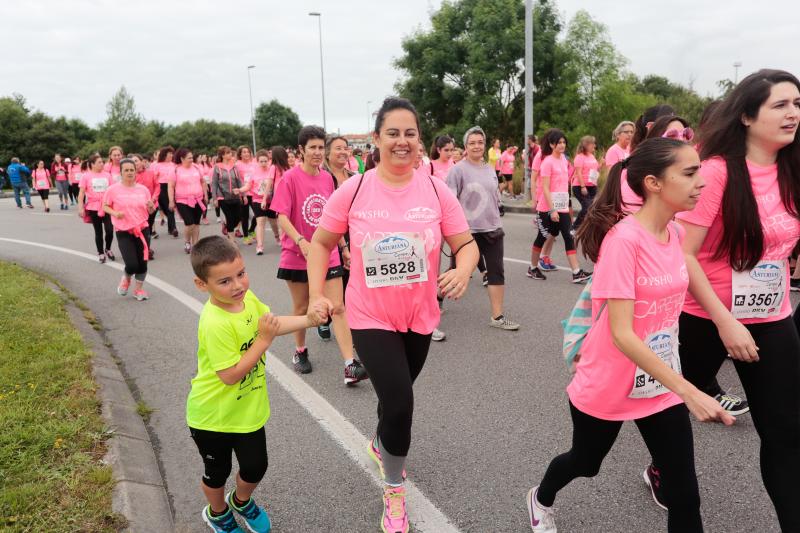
[392, 245]
[312, 209]
[661, 343]
[766, 273]
[421, 214]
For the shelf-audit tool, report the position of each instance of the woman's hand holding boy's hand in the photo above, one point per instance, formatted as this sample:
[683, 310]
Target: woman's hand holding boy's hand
[319, 311]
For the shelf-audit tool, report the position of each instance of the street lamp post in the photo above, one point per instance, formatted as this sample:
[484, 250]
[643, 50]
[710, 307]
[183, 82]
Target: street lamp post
[321, 70]
[252, 121]
[736, 66]
[528, 88]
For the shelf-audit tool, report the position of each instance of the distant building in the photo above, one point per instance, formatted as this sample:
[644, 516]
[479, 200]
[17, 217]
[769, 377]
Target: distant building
[358, 140]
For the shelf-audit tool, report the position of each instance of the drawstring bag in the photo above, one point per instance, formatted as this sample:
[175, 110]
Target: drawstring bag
[576, 326]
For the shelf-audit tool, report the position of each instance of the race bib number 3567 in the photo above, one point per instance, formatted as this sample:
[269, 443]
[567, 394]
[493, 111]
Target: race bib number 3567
[758, 293]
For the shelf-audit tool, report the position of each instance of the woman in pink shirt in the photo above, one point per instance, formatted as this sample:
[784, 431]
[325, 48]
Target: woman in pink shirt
[164, 171]
[187, 193]
[584, 179]
[621, 149]
[59, 170]
[506, 178]
[258, 186]
[629, 367]
[94, 184]
[74, 178]
[246, 165]
[129, 204]
[397, 219]
[206, 169]
[112, 165]
[42, 184]
[144, 176]
[441, 156]
[737, 243]
[281, 162]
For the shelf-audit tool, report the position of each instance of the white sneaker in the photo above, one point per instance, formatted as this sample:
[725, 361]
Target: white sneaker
[438, 335]
[502, 322]
[542, 518]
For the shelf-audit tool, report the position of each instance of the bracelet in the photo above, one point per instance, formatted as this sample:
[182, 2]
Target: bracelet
[300, 238]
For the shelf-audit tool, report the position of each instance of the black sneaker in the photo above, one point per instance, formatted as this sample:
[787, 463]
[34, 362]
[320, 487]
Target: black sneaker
[652, 478]
[502, 210]
[733, 404]
[354, 372]
[324, 332]
[154, 234]
[301, 363]
[111, 255]
[794, 284]
[581, 276]
[535, 273]
[485, 281]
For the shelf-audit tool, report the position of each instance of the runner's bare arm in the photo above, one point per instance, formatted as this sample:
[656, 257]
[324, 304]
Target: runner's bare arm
[453, 283]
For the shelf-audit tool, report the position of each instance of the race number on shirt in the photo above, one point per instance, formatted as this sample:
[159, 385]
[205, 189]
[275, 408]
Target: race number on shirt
[398, 259]
[99, 184]
[665, 345]
[593, 175]
[758, 293]
[560, 200]
[42, 184]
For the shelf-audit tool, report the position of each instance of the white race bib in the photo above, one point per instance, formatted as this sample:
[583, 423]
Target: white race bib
[398, 259]
[42, 184]
[117, 178]
[664, 344]
[593, 175]
[99, 184]
[560, 200]
[758, 293]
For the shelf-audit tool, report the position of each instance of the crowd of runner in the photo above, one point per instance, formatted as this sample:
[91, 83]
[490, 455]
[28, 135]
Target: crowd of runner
[692, 237]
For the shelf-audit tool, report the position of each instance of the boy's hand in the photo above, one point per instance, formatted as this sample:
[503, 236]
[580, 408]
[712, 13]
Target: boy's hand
[268, 327]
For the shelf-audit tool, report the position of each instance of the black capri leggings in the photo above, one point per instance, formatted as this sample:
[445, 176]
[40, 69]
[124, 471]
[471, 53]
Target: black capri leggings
[772, 387]
[163, 204]
[215, 448]
[132, 250]
[99, 224]
[393, 361]
[490, 245]
[547, 227]
[585, 201]
[232, 210]
[74, 189]
[668, 436]
[244, 216]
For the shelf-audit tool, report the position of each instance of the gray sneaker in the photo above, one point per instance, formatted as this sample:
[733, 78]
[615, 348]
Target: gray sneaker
[502, 322]
[438, 335]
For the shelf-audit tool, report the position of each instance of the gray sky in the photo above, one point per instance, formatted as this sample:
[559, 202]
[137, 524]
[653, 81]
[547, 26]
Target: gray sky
[184, 60]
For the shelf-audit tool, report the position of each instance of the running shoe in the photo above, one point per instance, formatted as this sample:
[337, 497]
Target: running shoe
[652, 478]
[542, 518]
[581, 276]
[375, 453]
[535, 273]
[174, 233]
[354, 372]
[219, 220]
[248, 240]
[301, 363]
[438, 335]
[221, 524]
[324, 332]
[256, 517]
[111, 255]
[238, 234]
[485, 281]
[29, 206]
[46, 209]
[502, 322]
[259, 250]
[101, 258]
[502, 210]
[124, 284]
[154, 234]
[395, 514]
[141, 295]
[794, 285]
[151, 254]
[187, 247]
[733, 404]
[546, 264]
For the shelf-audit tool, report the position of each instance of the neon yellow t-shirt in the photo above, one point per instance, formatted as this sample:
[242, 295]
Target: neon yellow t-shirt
[223, 338]
[494, 155]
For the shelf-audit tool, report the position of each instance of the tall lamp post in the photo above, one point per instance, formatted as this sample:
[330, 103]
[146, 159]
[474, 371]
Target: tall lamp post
[736, 66]
[252, 121]
[321, 70]
[528, 88]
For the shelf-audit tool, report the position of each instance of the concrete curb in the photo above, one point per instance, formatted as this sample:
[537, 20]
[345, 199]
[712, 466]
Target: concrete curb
[140, 493]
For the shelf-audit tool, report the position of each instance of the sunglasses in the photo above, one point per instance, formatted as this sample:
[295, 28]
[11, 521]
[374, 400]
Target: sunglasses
[686, 134]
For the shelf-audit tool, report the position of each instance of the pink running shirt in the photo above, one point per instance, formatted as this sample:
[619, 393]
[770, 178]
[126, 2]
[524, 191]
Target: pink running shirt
[441, 168]
[189, 185]
[633, 265]
[587, 165]
[75, 174]
[246, 171]
[146, 178]
[506, 162]
[132, 201]
[113, 171]
[41, 179]
[380, 211]
[164, 171]
[95, 184]
[259, 180]
[781, 231]
[616, 154]
[558, 171]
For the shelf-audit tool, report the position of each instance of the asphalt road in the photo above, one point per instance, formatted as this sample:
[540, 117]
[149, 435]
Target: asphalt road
[490, 409]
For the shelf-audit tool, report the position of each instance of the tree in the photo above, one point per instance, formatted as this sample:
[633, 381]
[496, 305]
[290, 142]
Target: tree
[123, 126]
[276, 125]
[205, 136]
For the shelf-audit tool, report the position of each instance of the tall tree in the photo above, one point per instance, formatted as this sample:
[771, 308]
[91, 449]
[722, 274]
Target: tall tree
[276, 125]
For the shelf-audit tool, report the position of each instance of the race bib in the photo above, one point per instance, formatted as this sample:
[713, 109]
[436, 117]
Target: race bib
[262, 189]
[398, 259]
[77, 177]
[758, 293]
[99, 184]
[665, 345]
[593, 175]
[560, 200]
[42, 184]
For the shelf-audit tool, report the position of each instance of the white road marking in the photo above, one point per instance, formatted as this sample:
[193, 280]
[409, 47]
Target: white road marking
[425, 516]
[53, 215]
[528, 263]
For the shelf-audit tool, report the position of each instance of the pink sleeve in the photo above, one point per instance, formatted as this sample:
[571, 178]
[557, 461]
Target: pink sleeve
[715, 174]
[335, 213]
[546, 168]
[616, 273]
[282, 202]
[536, 165]
[453, 219]
[84, 183]
[612, 156]
[108, 197]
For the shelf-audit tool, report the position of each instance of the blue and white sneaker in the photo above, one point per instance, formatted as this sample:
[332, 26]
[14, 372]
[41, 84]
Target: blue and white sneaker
[546, 264]
[256, 519]
[221, 524]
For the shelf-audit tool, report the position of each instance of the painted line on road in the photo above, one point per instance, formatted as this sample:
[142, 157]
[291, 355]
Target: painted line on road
[528, 263]
[52, 214]
[426, 517]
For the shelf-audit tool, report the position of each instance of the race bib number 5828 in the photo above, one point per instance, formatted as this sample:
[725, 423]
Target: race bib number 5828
[398, 259]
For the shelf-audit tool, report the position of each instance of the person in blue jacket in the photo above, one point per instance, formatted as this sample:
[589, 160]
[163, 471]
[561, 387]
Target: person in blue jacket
[16, 175]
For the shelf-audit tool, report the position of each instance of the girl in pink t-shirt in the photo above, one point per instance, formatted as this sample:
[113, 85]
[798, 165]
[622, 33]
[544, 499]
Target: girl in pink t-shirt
[164, 171]
[737, 243]
[145, 176]
[258, 185]
[128, 204]
[441, 156]
[187, 194]
[281, 162]
[584, 179]
[112, 165]
[42, 184]
[628, 366]
[246, 165]
[397, 219]
[74, 179]
[59, 170]
[545, 263]
[506, 162]
[94, 184]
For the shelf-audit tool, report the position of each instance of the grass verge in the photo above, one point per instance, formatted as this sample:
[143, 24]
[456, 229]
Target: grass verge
[52, 442]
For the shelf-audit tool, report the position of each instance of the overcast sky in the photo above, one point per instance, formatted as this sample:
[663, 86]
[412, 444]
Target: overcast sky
[184, 60]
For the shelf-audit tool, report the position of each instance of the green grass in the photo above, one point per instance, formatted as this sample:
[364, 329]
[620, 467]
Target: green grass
[52, 438]
[144, 410]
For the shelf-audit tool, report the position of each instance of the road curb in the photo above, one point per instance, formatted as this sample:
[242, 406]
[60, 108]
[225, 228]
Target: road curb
[139, 493]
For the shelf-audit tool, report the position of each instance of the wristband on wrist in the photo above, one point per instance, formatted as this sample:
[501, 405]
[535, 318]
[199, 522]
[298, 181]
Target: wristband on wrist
[300, 238]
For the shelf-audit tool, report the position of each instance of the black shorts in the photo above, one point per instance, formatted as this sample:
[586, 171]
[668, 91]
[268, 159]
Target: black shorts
[508, 177]
[191, 215]
[272, 214]
[257, 211]
[44, 194]
[215, 448]
[301, 276]
[490, 245]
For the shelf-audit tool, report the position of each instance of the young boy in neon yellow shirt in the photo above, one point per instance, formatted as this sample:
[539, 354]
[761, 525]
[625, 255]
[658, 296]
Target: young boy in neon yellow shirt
[228, 404]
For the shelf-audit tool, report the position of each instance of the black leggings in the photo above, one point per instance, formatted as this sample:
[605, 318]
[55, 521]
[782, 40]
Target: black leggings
[74, 189]
[668, 436]
[772, 387]
[232, 210]
[547, 228]
[393, 361]
[215, 448]
[585, 201]
[132, 250]
[100, 223]
[163, 204]
[244, 216]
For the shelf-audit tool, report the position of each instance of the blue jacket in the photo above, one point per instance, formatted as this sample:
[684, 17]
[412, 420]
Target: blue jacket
[15, 173]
